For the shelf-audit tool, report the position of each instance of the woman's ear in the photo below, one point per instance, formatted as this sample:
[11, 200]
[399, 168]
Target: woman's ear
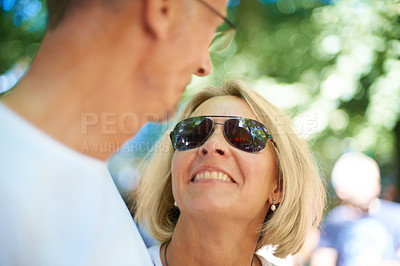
[158, 17]
[275, 196]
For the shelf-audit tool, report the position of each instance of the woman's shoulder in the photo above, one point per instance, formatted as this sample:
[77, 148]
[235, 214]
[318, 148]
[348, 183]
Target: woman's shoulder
[264, 262]
[154, 253]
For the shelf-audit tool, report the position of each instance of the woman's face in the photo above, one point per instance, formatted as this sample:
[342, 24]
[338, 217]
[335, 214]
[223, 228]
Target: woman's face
[247, 180]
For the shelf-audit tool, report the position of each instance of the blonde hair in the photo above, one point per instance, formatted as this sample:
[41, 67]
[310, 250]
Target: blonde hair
[303, 194]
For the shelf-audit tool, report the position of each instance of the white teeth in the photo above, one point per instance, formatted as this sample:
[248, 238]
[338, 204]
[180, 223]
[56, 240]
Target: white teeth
[212, 175]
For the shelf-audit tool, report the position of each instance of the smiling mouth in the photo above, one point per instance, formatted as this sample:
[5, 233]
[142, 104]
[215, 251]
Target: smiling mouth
[212, 176]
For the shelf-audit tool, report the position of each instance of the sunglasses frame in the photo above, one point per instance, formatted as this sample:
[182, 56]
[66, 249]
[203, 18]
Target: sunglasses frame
[269, 136]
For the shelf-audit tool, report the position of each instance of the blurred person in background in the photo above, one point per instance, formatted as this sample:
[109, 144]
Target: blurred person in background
[364, 230]
[103, 70]
[230, 178]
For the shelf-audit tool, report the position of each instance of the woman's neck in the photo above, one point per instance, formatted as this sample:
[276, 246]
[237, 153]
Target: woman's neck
[204, 243]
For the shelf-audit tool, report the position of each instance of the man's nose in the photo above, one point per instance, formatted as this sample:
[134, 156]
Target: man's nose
[205, 66]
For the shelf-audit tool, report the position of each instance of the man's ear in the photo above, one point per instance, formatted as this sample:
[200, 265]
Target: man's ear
[158, 17]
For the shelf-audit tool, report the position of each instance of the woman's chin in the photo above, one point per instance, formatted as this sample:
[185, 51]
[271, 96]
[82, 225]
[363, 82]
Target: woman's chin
[209, 206]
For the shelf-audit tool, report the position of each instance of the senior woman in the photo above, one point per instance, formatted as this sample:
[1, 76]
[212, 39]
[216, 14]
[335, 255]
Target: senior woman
[231, 177]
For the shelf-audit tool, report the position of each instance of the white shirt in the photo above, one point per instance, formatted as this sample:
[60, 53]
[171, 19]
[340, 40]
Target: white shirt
[59, 207]
[155, 255]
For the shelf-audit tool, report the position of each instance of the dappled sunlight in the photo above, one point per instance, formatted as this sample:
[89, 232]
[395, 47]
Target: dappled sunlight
[332, 65]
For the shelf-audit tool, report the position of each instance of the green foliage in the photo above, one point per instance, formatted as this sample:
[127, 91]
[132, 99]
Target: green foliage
[334, 67]
[19, 42]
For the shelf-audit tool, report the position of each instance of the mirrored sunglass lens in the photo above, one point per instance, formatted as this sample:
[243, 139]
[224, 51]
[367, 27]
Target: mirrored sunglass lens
[222, 40]
[246, 134]
[191, 133]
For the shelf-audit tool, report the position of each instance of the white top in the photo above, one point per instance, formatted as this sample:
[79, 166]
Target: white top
[268, 253]
[59, 207]
[155, 255]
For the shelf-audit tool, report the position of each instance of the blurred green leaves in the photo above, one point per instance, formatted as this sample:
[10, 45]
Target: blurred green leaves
[333, 65]
[339, 62]
[22, 26]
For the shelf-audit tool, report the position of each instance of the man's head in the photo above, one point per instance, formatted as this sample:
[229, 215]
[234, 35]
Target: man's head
[356, 179]
[180, 37]
[126, 60]
[158, 44]
[60, 10]
[57, 10]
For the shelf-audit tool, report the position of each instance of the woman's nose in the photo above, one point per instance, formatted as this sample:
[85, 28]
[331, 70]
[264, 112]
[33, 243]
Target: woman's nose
[216, 144]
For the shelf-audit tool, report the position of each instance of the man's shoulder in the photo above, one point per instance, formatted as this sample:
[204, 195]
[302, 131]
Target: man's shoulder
[390, 205]
[337, 215]
[389, 212]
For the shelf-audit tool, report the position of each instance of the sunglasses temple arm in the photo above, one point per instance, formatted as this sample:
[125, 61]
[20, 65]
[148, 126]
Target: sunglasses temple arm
[272, 140]
[172, 139]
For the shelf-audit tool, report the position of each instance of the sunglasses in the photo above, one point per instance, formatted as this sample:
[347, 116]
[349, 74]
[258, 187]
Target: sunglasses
[242, 133]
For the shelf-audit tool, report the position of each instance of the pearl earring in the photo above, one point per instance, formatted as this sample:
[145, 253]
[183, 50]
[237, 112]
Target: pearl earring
[273, 207]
